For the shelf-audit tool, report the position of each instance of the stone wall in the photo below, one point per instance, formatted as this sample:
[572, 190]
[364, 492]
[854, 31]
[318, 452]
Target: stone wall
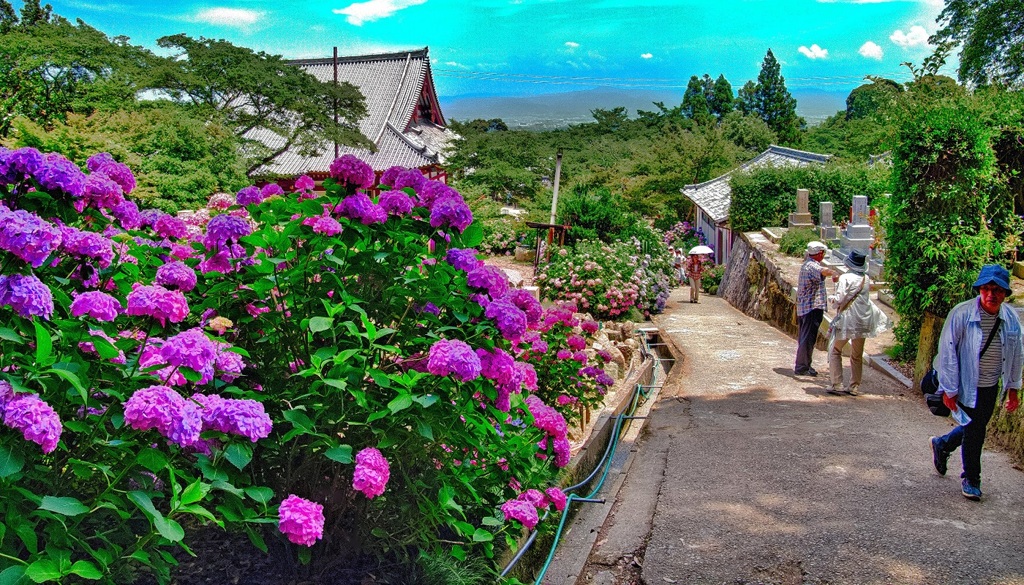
[756, 286]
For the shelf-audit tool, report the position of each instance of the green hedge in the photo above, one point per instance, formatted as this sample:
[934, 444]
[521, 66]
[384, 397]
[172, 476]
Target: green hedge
[765, 197]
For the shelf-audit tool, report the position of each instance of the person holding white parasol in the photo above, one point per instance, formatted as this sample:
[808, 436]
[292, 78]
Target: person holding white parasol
[695, 266]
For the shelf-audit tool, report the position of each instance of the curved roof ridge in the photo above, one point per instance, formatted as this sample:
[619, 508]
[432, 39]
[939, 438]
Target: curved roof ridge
[412, 54]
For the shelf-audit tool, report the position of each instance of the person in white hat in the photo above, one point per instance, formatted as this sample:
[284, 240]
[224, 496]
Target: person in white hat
[810, 305]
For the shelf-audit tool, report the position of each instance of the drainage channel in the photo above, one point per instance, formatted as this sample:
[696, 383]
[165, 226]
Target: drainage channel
[651, 379]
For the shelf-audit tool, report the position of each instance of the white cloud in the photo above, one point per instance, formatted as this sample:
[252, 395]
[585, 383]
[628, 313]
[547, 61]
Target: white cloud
[646, 56]
[229, 17]
[361, 12]
[871, 51]
[917, 36]
[571, 45]
[815, 52]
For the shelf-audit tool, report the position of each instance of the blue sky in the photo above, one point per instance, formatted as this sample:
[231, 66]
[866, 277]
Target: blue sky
[523, 47]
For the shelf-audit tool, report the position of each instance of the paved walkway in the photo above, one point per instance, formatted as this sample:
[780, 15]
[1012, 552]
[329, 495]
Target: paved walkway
[747, 474]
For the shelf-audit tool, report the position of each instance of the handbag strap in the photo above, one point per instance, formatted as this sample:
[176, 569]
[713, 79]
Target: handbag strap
[849, 301]
[995, 329]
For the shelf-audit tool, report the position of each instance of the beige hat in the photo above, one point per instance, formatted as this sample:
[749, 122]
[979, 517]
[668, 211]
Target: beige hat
[814, 246]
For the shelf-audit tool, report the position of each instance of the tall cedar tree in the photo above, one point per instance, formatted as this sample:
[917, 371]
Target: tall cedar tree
[721, 100]
[773, 102]
[695, 102]
[990, 34]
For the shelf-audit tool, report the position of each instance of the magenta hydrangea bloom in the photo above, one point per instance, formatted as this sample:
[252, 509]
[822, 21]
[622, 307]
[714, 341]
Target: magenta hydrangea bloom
[229, 364]
[96, 304]
[83, 244]
[250, 195]
[127, 213]
[326, 225]
[27, 295]
[535, 497]
[225, 229]
[36, 420]
[102, 162]
[499, 366]
[563, 451]
[372, 472]
[157, 302]
[176, 275]
[528, 304]
[452, 356]
[409, 178]
[57, 173]
[168, 226]
[164, 410]
[528, 374]
[463, 259]
[576, 342]
[494, 280]
[301, 520]
[349, 170]
[590, 326]
[305, 183]
[396, 202]
[360, 206]
[508, 318]
[556, 497]
[451, 211]
[524, 512]
[6, 390]
[23, 162]
[270, 190]
[242, 417]
[27, 236]
[388, 177]
[192, 349]
[546, 418]
[432, 191]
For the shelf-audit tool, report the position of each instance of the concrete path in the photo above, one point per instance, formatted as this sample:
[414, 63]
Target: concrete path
[758, 477]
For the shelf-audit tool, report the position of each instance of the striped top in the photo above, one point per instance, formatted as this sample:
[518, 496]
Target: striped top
[991, 363]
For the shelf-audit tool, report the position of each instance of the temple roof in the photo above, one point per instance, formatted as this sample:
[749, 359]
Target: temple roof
[403, 115]
[715, 196]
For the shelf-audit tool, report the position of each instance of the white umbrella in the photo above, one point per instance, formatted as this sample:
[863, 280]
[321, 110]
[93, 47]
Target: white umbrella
[701, 250]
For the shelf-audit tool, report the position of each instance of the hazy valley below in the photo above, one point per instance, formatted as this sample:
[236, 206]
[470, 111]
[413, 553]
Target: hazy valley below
[557, 110]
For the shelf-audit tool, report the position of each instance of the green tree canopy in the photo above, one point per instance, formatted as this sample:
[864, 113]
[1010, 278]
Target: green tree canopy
[990, 35]
[721, 100]
[773, 102]
[695, 100]
[254, 91]
[869, 98]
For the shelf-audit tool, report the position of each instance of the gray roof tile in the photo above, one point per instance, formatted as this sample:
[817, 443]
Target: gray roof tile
[715, 196]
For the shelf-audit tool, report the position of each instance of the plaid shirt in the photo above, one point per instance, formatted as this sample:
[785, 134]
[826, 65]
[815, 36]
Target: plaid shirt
[810, 292]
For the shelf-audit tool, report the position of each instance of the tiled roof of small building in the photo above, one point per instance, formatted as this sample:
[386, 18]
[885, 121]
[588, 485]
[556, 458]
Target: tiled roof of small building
[392, 84]
[715, 196]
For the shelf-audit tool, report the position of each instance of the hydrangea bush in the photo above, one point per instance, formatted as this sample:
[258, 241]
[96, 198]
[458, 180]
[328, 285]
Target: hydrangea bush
[503, 235]
[608, 280]
[324, 368]
[683, 235]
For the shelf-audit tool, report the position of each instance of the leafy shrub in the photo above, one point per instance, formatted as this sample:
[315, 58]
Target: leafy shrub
[595, 215]
[683, 236]
[766, 196]
[607, 280]
[794, 241]
[232, 369]
[503, 235]
[712, 279]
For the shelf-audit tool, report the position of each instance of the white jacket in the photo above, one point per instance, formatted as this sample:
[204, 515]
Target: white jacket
[860, 318]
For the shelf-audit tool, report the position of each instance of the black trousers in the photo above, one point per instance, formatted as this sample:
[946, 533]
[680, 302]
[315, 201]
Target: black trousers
[806, 338]
[974, 432]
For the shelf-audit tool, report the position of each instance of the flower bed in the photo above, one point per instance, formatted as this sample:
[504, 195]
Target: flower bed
[318, 368]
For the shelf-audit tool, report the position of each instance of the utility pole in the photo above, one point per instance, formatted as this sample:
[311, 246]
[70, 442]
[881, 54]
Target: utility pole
[554, 200]
[336, 150]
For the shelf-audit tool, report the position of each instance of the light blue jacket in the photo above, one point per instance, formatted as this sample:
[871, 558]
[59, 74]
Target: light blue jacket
[960, 344]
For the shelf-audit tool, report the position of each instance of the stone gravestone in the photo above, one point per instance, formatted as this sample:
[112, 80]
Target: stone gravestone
[802, 218]
[826, 230]
[859, 234]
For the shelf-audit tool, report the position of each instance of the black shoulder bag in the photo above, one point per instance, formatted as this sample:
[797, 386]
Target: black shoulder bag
[930, 383]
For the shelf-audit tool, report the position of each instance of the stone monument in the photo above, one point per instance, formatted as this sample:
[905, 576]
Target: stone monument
[859, 234]
[826, 230]
[802, 218]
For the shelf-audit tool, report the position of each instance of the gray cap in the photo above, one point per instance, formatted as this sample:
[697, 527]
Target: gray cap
[814, 246]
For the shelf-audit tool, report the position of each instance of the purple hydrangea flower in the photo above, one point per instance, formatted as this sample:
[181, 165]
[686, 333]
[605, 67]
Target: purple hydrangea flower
[249, 196]
[451, 356]
[528, 304]
[535, 497]
[508, 318]
[6, 390]
[360, 206]
[157, 302]
[242, 417]
[590, 326]
[349, 170]
[57, 173]
[176, 275]
[388, 177]
[451, 211]
[224, 229]
[546, 418]
[83, 244]
[270, 190]
[102, 191]
[127, 212]
[563, 354]
[396, 202]
[463, 259]
[327, 225]
[169, 226]
[604, 379]
[191, 349]
[494, 280]
[524, 512]
[300, 520]
[102, 162]
[219, 262]
[27, 295]
[409, 178]
[372, 472]
[98, 305]
[229, 364]
[576, 342]
[163, 409]
[149, 217]
[28, 237]
[36, 420]
[432, 191]
[305, 183]
[556, 497]
[22, 163]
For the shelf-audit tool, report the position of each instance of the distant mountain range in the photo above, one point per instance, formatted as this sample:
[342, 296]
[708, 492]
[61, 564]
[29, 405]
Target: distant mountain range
[557, 110]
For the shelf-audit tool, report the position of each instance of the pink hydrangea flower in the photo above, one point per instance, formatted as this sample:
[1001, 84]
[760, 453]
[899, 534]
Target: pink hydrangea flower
[349, 170]
[535, 497]
[304, 183]
[36, 420]
[242, 417]
[191, 349]
[301, 520]
[98, 305]
[176, 275]
[163, 409]
[372, 472]
[524, 512]
[157, 302]
[452, 356]
[27, 295]
[556, 497]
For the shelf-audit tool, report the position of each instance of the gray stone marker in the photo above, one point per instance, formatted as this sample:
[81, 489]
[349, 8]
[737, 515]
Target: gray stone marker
[802, 218]
[826, 229]
[859, 234]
